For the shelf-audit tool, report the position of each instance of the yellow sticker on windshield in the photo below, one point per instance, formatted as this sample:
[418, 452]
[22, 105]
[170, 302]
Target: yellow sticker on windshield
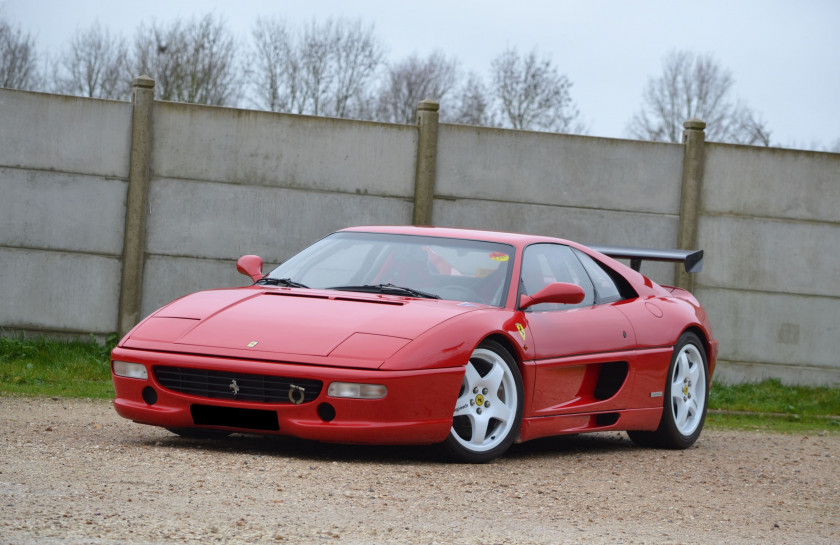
[499, 256]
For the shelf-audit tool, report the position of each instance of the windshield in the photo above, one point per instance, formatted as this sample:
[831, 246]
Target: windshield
[454, 269]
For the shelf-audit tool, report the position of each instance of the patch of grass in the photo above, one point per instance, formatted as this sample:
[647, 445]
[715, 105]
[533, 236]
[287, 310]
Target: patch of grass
[772, 406]
[790, 423]
[59, 368]
[771, 396]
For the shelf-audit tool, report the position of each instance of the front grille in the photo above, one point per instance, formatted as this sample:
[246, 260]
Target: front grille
[237, 386]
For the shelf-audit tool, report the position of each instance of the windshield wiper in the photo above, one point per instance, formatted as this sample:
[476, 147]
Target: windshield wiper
[388, 289]
[288, 282]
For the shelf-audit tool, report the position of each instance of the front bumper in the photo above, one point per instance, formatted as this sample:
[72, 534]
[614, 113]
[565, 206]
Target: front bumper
[416, 410]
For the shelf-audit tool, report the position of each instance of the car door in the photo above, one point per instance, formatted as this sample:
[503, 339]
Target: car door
[582, 352]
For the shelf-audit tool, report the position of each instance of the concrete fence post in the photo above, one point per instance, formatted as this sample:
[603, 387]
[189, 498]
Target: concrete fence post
[136, 206]
[424, 177]
[694, 140]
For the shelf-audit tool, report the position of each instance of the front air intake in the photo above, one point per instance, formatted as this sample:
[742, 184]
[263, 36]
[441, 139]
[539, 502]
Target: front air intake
[237, 386]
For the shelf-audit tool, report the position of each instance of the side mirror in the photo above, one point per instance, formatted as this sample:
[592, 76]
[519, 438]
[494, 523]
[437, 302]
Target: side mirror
[556, 292]
[250, 265]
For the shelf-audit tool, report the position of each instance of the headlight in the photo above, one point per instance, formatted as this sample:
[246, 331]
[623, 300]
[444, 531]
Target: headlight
[130, 370]
[357, 391]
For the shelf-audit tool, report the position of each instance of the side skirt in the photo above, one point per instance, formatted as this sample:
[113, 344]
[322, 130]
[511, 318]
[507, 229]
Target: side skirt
[632, 419]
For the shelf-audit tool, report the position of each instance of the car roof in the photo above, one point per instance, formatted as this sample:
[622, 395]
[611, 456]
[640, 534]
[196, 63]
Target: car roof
[516, 239]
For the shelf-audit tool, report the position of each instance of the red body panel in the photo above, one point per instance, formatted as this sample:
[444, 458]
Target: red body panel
[417, 348]
[425, 419]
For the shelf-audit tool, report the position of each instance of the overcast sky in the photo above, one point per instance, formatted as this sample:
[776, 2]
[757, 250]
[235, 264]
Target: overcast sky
[784, 55]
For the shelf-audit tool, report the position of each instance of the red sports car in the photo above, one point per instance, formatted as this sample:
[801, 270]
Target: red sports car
[422, 335]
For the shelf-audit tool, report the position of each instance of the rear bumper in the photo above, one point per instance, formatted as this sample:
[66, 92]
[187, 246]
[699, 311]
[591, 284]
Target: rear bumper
[417, 408]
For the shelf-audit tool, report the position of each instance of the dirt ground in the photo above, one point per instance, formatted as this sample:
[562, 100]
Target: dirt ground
[75, 472]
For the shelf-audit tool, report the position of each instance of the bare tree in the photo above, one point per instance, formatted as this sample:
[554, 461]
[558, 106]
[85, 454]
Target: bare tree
[412, 80]
[316, 46]
[326, 69]
[693, 86]
[275, 67]
[357, 56]
[190, 62]
[746, 128]
[531, 94]
[473, 105]
[18, 58]
[94, 65]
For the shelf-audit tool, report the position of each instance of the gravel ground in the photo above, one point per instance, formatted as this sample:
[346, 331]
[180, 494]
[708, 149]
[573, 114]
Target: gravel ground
[74, 472]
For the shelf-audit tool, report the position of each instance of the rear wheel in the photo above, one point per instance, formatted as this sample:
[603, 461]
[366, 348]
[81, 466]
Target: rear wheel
[686, 398]
[488, 412]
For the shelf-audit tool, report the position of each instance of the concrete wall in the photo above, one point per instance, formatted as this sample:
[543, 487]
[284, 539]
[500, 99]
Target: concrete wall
[771, 228]
[231, 182]
[63, 180]
[592, 190]
[226, 182]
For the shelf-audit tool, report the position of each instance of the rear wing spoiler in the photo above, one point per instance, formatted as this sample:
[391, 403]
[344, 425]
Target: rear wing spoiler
[693, 259]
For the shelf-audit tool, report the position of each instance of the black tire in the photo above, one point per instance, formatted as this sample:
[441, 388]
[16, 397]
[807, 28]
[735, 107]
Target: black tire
[488, 411]
[685, 401]
[199, 433]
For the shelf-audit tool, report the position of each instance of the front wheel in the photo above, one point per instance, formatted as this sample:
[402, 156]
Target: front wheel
[488, 412]
[686, 398]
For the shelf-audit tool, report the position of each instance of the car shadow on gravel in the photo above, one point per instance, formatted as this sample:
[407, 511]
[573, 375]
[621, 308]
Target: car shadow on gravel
[291, 447]
[565, 445]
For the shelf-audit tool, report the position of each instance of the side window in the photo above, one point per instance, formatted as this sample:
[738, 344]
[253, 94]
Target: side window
[605, 289]
[543, 264]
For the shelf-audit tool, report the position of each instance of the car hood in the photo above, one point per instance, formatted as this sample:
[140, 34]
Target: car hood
[305, 326]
